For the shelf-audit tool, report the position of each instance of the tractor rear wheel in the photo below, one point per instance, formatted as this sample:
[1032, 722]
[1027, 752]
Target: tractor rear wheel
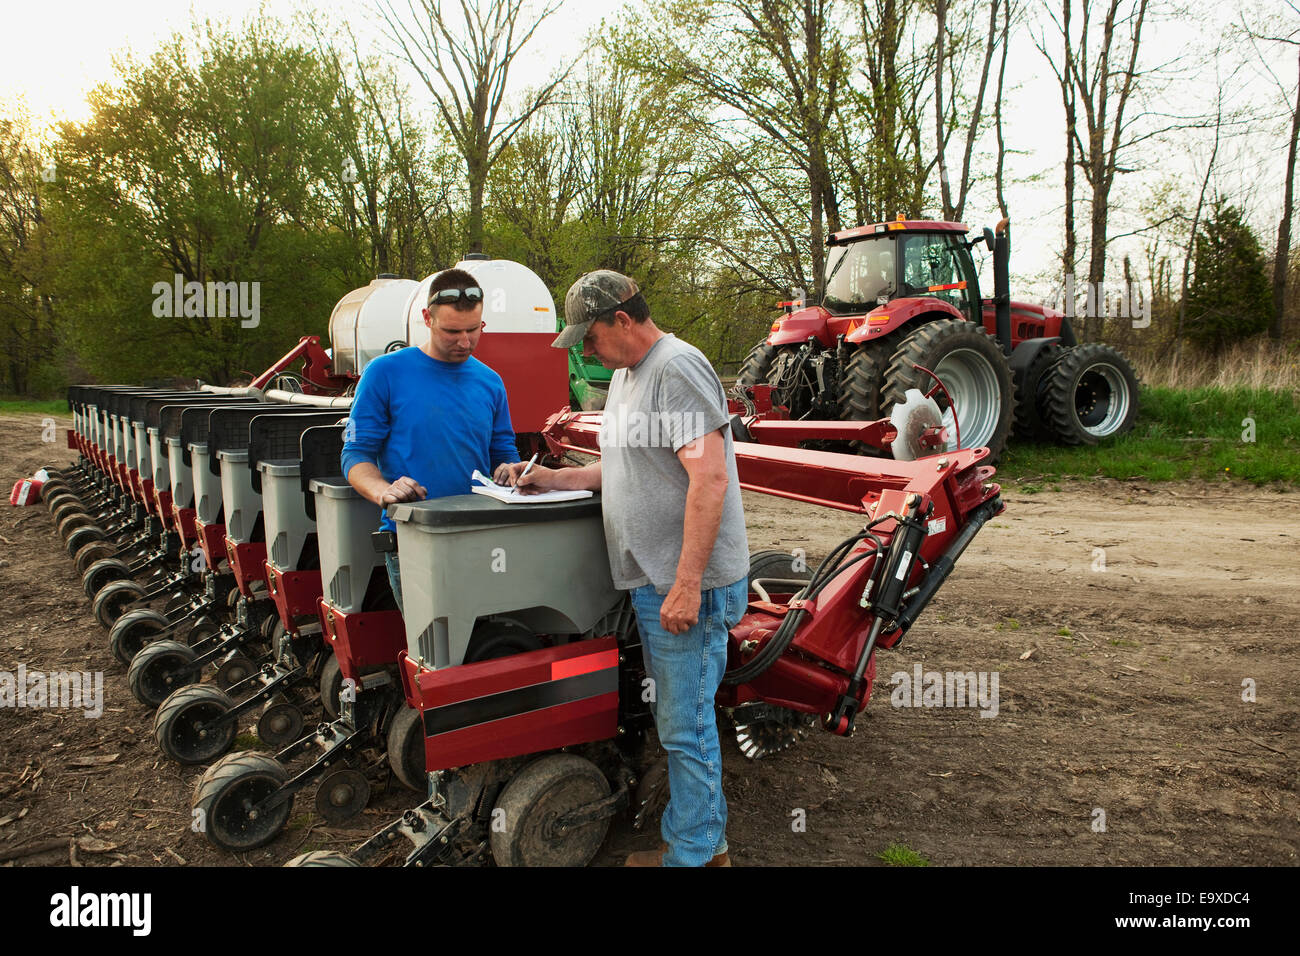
[1030, 387]
[972, 368]
[1091, 394]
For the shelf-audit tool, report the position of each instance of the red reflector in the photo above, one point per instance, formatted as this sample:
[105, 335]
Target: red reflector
[585, 664]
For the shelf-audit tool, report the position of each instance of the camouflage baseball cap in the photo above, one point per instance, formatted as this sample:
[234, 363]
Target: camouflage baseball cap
[592, 295]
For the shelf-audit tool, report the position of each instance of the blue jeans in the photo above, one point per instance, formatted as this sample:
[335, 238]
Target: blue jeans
[394, 576]
[687, 669]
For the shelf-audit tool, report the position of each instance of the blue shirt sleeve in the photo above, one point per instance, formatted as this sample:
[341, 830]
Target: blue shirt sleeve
[368, 422]
[504, 449]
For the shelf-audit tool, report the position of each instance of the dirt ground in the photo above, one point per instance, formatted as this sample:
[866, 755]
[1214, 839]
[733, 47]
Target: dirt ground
[1121, 734]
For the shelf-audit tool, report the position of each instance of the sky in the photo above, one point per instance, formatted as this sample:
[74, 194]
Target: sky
[60, 49]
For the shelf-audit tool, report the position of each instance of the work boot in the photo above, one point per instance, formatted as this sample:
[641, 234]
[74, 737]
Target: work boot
[656, 858]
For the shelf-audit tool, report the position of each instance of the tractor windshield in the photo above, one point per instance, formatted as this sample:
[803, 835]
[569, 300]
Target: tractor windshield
[860, 276]
[938, 265]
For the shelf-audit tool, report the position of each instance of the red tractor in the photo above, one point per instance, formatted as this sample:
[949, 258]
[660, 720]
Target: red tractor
[902, 300]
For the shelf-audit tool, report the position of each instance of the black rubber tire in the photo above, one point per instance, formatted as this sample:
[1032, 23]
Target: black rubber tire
[499, 638]
[158, 669]
[72, 520]
[224, 789]
[331, 685]
[928, 346]
[83, 536]
[103, 572]
[1091, 395]
[862, 384]
[753, 371]
[779, 564]
[1030, 386]
[548, 787]
[322, 858]
[66, 509]
[60, 498]
[92, 550]
[280, 723]
[174, 730]
[406, 748]
[132, 631]
[113, 600]
[201, 630]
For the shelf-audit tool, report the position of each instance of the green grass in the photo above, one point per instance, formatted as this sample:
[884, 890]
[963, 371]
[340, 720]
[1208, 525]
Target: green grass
[898, 855]
[55, 406]
[1179, 435]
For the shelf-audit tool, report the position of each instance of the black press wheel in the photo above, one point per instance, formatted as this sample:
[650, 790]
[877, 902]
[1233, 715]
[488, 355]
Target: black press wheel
[158, 669]
[1091, 395]
[92, 549]
[114, 599]
[331, 685]
[235, 669]
[68, 517]
[103, 572]
[226, 799]
[184, 728]
[342, 795]
[202, 629]
[533, 804]
[132, 631]
[60, 498]
[84, 535]
[281, 723]
[406, 748]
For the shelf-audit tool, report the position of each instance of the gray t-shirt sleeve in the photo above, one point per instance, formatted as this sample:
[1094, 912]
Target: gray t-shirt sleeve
[690, 399]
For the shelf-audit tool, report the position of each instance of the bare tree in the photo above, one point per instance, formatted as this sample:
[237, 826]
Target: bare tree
[780, 66]
[879, 127]
[466, 69]
[1191, 240]
[947, 58]
[1100, 82]
[1282, 253]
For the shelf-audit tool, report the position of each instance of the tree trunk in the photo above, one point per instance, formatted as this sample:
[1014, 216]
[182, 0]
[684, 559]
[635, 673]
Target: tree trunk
[1282, 258]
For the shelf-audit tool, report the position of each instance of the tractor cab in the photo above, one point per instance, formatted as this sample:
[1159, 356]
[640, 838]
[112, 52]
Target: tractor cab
[873, 265]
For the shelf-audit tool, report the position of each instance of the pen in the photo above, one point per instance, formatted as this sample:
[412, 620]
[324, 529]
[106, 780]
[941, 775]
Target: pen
[527, 468]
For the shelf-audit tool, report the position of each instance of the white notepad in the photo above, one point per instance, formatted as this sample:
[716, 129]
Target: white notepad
[483, 485]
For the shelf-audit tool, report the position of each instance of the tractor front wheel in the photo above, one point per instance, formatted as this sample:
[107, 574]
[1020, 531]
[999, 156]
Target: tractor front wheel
[753, 371]
[972, 368]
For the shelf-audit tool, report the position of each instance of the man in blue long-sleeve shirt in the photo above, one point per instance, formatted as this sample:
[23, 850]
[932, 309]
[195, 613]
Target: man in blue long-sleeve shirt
[427, 417]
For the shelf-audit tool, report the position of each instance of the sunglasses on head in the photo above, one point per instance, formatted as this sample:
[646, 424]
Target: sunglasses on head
[452, 296]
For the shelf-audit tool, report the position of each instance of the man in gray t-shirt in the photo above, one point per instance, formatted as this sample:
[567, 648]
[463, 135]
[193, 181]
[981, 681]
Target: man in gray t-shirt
[676, 538]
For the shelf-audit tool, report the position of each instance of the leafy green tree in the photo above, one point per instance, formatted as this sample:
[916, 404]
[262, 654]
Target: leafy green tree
[217, 161]
[1230, 297]
[28, 341]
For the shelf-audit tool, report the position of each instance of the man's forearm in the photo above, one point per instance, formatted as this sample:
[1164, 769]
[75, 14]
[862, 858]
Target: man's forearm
[586, 478]
[367, 480]
[704, 498]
